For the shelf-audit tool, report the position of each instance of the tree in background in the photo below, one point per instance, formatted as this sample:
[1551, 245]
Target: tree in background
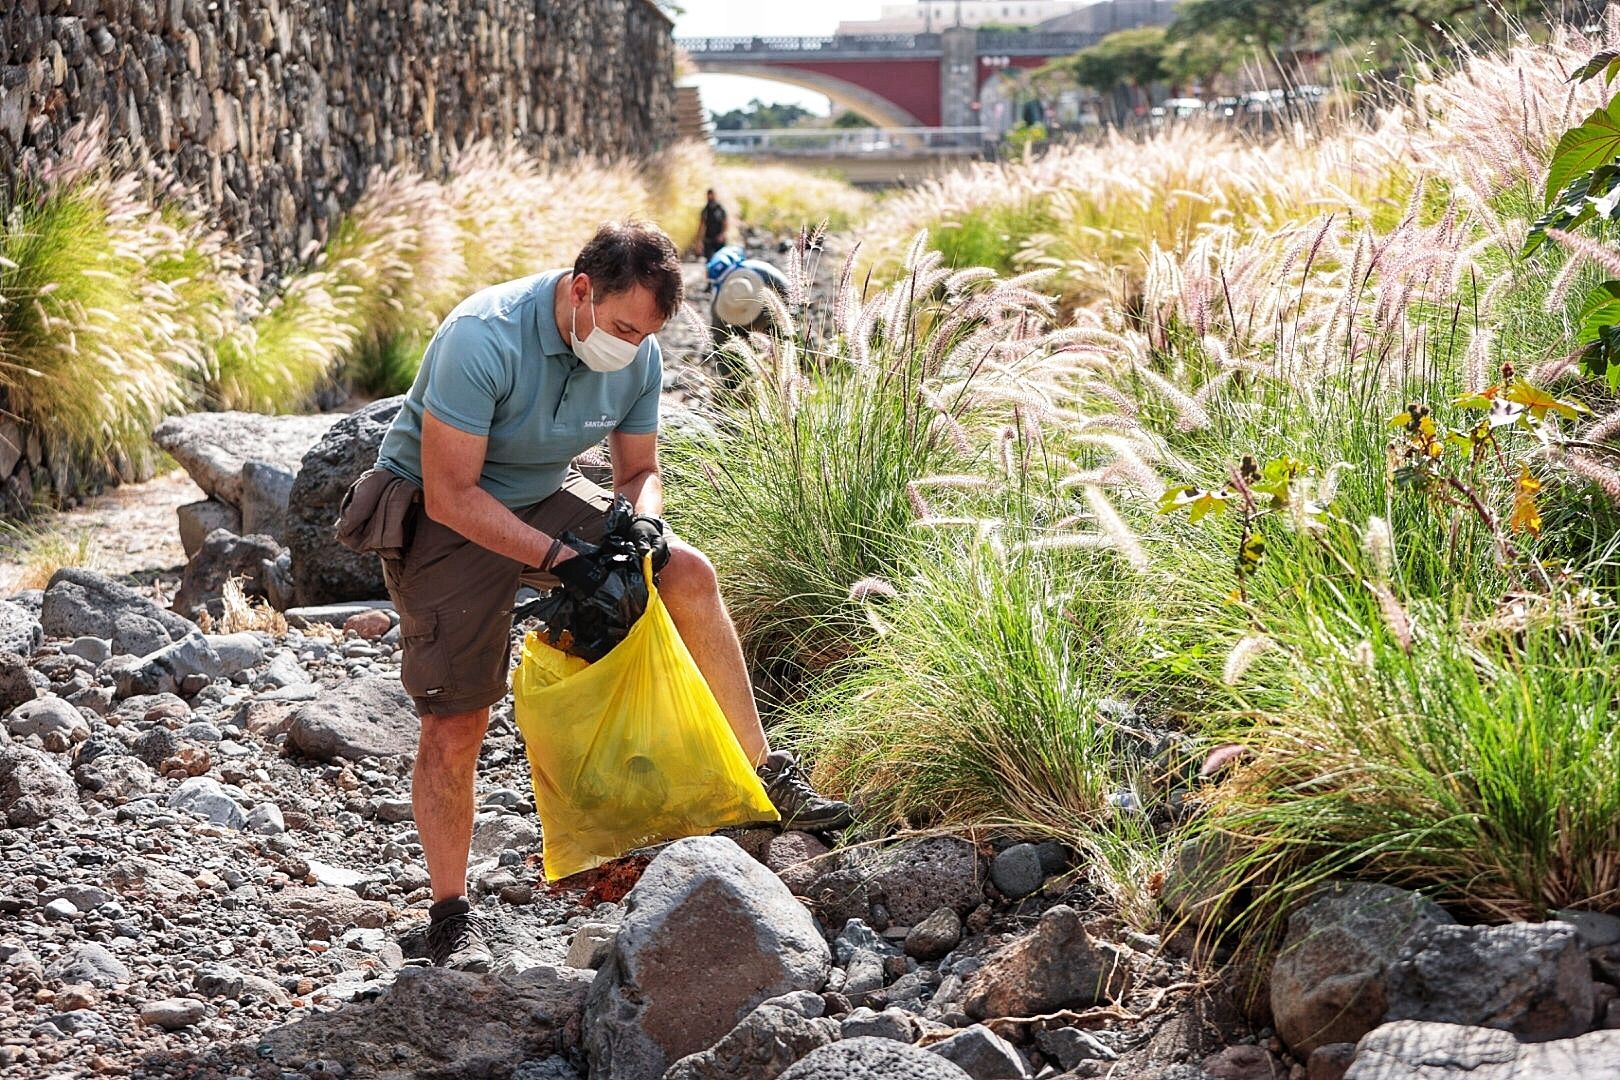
[847, 119]
[1278, 30]
[1122, 66]
[758, 115]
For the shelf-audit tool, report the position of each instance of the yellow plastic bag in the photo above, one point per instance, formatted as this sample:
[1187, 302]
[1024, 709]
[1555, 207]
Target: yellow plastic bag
[628, 751]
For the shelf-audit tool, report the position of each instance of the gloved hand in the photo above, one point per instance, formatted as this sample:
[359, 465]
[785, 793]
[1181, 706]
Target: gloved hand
[580, 574]
[649, 534]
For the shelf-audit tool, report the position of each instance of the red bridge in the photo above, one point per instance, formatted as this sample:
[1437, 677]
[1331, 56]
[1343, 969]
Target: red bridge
[893, 80]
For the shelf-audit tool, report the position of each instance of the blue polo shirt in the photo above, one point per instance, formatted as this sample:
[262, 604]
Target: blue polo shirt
[499, 367]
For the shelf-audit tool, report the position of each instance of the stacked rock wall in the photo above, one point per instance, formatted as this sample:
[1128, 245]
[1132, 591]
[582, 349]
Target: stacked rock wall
[275, 111]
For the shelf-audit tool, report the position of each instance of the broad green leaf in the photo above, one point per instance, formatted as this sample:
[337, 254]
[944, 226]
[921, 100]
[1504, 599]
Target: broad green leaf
[1591, 194]
[1604, 60]
[1601, 311]
[1594, 142]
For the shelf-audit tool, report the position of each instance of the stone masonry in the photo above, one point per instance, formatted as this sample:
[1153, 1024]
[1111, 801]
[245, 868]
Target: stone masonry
[275, 111]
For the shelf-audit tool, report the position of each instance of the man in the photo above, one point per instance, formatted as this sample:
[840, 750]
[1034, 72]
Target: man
[519, 379]
[714, 226]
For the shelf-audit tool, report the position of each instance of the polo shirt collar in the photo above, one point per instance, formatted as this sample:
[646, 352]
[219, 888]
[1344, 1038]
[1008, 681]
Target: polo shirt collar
[551, 337]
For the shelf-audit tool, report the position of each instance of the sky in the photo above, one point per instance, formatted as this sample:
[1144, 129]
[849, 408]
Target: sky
[763, 18]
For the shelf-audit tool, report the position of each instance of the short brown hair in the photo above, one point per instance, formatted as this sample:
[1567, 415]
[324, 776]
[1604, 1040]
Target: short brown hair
[624, 254]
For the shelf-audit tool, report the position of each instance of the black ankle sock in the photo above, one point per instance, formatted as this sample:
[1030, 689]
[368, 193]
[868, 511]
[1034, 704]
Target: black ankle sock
[455, 905]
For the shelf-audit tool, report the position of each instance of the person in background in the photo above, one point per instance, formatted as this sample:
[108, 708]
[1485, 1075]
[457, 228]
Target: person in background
[714, 226]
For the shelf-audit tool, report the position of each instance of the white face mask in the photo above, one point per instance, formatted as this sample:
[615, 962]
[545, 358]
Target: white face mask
[600, 350]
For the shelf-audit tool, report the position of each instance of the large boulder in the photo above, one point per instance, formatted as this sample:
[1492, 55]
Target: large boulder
[1532, 979]
[367, 717]
[323, 570]
[1328, 983]
[34, 788]
[163, 671]
[433, 1022]
[214, 447]
[1056, 966]
[83, 603]
[266, 494]
[708, 935]
[224, 556]
[1416, 1050]
[765, 1042]
[20, 631]
[871, 1058]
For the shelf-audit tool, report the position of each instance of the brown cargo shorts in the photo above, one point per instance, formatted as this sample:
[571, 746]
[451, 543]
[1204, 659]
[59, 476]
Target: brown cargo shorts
[454, 599]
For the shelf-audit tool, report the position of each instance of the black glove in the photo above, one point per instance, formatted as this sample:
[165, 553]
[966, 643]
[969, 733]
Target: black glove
[649, 534]
[581, 575]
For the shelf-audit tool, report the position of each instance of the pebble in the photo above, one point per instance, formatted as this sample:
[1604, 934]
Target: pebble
[266, 820]
[60, 910]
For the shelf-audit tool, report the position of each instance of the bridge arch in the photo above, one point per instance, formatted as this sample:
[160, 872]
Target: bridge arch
[859, 100]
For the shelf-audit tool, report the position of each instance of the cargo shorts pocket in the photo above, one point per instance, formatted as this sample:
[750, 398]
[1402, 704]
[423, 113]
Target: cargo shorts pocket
[425, 667]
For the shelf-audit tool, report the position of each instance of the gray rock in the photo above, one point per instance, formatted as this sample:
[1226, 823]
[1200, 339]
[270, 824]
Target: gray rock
[266, 820]
[224, 556]
[1415, 1050]
[1070, 1046]
[34, 788]
[218, 980]
[214, 447]
[53, 721]
[366, 717]
[1595, 929]
[760, 1047]
[982, 1054]
[708, 935]
[935, 936]
[1328, 982]
[60, 910]
[18, 682]
[172, 1014]
[237, 652]
[82, 896]
[590, 945]
[553, 1068]
[163, 671]
[861, 953]
[494, 832]
[1057, 966]
[333, 614]
[1532, 979]
[920, 877]
[892, 1023]
[285, 673]
[1017, 871]
[840, 895]
[198, 519]
[81, 603]
[266, 489]
[75, 1020]
[873, 1059]
[94, 649]
[208, 800]
[89, 963]
[115, 779]
[20, 631]
[437, 1022]
[155, 746]
[323, 570]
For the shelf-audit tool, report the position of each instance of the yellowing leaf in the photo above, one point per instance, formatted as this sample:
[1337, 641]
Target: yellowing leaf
[1526, 517]
[1197, 501]
[1540, 403]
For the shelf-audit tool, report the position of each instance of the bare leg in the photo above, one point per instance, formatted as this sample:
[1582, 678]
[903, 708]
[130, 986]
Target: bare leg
[442, 795]
[692, 594]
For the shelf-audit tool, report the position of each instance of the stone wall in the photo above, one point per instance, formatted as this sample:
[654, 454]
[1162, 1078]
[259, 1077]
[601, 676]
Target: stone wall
[275, 111]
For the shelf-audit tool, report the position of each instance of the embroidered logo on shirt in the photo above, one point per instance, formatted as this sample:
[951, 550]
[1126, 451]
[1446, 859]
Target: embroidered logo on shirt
[606, 421]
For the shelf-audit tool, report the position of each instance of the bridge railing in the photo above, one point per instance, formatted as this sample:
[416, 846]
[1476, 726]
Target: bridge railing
[1015, 42]
[853, 142]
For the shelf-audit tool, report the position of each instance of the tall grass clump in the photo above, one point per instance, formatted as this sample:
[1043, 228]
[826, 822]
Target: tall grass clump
[97, 341]
[813, 480]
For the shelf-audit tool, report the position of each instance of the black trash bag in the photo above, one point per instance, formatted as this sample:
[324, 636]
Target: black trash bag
[589, 627]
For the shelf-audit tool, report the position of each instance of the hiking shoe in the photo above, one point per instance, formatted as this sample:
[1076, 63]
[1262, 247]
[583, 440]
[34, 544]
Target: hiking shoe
[455, 937]
[801, 808]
